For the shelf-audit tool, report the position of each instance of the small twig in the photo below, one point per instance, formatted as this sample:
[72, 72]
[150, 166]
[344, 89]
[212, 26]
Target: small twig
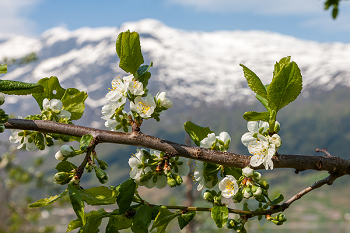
[87, 158]
[324, 150]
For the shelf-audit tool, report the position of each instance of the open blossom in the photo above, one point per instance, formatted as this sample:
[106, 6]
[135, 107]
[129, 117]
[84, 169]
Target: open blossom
[262, 152]
[143, 107]
[118, 91]
[228, 186]
[198, 176]
[135, 162]
[253, 128]
[56, 106]
[164, 101]
[211, 139]
[183, 169]
[24, 141]
[109, 109]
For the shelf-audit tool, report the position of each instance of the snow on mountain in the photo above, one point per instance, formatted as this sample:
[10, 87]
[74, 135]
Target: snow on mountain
[192, 66]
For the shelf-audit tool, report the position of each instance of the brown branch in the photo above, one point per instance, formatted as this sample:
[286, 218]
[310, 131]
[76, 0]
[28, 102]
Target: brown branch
[299, 162]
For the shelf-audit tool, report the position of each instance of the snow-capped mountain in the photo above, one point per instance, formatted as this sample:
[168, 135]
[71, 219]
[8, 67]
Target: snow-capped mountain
[192, 66]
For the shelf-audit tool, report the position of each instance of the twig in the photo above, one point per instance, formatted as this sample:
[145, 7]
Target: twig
[298, 162]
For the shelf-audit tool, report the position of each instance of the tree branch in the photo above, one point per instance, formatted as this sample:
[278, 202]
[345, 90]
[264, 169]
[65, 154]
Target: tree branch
[332, 164]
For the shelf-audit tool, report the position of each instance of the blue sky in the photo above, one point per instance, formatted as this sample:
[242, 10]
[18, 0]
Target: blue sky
[304, 19]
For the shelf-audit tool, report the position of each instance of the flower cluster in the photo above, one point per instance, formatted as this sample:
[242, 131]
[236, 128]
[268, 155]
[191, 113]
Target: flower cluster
[260, 144]
[24, 138]
[220, 143]
[141, 108]
[152, 168]
[53, 110]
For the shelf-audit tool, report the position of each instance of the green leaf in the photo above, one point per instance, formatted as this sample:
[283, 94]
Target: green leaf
[264, 101]
[129, 51]
[93, 221]
[277, 67]
[47, 201]
[185, 219]
[285, 86]
[85, 141]
[52, 90]
[126, 192]
[278, 199]
[73, 101]
[142, 219]
[163, 219]
[65, 166]
[118, 222]
[3, 69]
[143, 74]
[39, 140]
[254, 82]
[256, 116]
[220, 215]
[74, 224]
[19, 88]
[233, 171]
[77, 201]
[101, 195]
[196, 132]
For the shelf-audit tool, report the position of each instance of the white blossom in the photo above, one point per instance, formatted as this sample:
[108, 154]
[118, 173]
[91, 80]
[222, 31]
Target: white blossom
[161, 181]
[224, 137]
[118, 92]
[247, 171]
[262, 152]
[228, 186]
[2, 98]
[184, 168]
[198, 176]
[136, 87]
[56, 106]
[208, 141]
[276, 140]
[144, 107]
[24, 141]
[163, 101]
[253, 128]
[134, 163]
[59, 155]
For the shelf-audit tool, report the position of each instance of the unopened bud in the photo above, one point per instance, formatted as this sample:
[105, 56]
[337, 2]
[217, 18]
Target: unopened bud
[247, 171]
[179, 180]
[103, 165]
[61, 177]
[171, 182]
[277, 127]
[208, 196]
[257, 176]
[67, 151]
[59, 155]
[2, 128]
[264, 184]
[101, 175]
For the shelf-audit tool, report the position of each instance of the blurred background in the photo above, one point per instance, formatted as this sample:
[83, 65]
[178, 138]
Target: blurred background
[196, 47]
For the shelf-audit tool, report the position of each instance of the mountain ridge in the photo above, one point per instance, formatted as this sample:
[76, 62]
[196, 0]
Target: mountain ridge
[192, 66]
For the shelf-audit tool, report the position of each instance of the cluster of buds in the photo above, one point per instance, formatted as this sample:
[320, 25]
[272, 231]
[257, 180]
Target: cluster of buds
[278, 220]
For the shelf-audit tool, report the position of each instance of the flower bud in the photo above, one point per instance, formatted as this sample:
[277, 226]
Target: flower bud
[171, 182]
[103, 165]
[101, 175]
[281, 217]
[178, 179]
[67, 151]
[59, 155]
[257, 191]
[247, 193]
[247, 171]
[61, 177]
[208, 196]
[257, 176]
[88, 168]
[264, 184]
[4, 118]
[277, 127]
[49, 142]
[217, 199]
[2, 98]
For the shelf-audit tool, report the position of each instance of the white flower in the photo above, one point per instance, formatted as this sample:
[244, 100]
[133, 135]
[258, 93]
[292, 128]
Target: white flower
[25, 141]
[59, 155]
[136, 87]
[144, 107]
[134, 163]
[257, 192]
[198, 176]
[228, 186]
[56, 106]
[208, 141]
[118, 91]
[109, 109]
[247, 171]
[276, 140]
[247, 194]
[184, 168]
[67, 150]
[163, 101]
[253, 128]
[224, 137]
[262, 152]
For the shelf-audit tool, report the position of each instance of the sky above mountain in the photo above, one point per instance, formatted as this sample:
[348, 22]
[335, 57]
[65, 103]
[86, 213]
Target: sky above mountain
[298, 18]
